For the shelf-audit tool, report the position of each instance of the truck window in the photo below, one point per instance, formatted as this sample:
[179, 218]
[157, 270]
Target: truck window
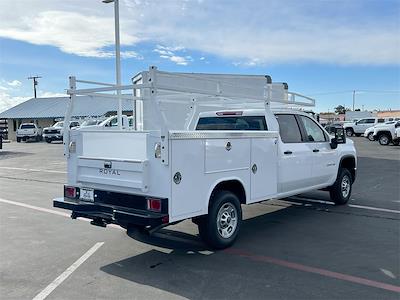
[382, 120]
[313, 131]
[27, 126]
[289, 129]
[370, 121]
[232, 123]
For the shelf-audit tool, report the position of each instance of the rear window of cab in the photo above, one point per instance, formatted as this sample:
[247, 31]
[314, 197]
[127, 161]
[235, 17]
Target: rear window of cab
[232, 123]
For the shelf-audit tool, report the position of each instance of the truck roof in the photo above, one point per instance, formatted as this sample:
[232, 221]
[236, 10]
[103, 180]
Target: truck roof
[248, 112]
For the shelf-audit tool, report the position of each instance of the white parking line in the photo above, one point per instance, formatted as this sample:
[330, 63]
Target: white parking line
[51, 211]
[375, 208]
[349, 205]
[33, 170]
[52, 286]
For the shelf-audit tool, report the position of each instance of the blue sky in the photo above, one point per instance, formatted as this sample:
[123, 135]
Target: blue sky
[321, 48]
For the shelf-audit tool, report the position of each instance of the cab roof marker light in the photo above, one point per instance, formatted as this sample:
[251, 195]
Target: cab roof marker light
[229, 113]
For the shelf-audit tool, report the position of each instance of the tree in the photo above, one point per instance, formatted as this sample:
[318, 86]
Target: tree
[340, 109]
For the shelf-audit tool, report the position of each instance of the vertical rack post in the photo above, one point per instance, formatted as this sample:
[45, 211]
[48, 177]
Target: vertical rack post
[70, 106]
[152, 80]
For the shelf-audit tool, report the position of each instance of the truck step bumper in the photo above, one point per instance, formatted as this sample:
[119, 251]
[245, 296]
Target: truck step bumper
[103, 214]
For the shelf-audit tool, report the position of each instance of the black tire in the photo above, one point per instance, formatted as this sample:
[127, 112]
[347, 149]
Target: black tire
[18, 140]
[48, 141]
[357, 134]
[349, 131]
[223, 211]
[338, 194]
[384, 139]
[396, 142]
[371, 136]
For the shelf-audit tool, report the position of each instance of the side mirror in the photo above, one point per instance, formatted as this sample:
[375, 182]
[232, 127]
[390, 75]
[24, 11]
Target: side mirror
[397, 125]
[340, 137]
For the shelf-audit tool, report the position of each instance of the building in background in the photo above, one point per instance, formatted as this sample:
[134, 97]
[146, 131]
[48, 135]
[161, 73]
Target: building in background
[44, 112]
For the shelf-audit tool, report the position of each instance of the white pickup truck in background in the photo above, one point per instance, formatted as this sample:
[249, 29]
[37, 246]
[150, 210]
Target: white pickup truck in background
[358, 128]
[206, 144]
[386, 134]
[29, 131]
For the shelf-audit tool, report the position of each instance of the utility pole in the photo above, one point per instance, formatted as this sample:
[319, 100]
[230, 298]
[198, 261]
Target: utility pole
[354, 98]
[35, 83]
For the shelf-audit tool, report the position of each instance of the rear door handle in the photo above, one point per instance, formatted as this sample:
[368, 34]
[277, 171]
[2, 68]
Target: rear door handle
[315, 150]
[287, 152]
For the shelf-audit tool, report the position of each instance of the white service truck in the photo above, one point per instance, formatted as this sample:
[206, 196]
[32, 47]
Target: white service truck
[201, 146]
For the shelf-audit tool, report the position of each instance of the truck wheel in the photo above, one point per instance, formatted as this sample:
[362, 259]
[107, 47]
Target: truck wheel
[220, 228]
[340, 191]
[396, 142]
[18, 140]
[349, 131]
[48, 141]
[384, 139]
[371, 136]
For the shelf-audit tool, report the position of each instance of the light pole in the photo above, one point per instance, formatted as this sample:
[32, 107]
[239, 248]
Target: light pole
[117, 57]
[354, 98]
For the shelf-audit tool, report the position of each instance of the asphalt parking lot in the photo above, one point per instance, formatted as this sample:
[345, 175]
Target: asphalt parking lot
[299, 248]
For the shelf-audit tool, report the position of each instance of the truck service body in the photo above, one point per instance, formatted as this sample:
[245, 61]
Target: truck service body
[201, 145]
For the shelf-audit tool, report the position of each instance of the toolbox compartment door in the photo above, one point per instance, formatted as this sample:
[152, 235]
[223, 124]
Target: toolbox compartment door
[264, 169]
[113, 172]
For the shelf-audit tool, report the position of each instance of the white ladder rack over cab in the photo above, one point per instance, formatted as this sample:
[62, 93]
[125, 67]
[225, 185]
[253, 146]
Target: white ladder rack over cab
[156, 95]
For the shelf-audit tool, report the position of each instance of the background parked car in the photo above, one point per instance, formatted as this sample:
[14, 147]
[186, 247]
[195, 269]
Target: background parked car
[369, 132]
[55, 132]
[29, 131]
[359, 127]
[386, 134]
[331, 128]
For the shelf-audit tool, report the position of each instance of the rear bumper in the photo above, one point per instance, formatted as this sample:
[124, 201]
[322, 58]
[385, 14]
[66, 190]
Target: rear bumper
[103, 214]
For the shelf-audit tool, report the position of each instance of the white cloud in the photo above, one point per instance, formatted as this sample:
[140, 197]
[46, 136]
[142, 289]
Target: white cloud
[42, 94]
[14, 83]
[170, 54]
[7, 101]
[247, 32]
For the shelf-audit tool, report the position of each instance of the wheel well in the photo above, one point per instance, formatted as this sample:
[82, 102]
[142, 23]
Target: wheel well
[385, 132]
[234, 186]
[349, 163]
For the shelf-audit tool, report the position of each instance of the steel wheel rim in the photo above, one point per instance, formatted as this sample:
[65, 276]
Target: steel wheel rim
[371, 136]
[227, 219]
[349, 132]
[384, 139]
[345, 186]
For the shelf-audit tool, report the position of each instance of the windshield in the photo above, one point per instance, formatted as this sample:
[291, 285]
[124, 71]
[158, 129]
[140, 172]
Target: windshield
[59, 124]
[27, 126]
[89, 123]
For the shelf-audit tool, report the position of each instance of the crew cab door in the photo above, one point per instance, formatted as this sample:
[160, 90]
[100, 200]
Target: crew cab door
[323, 156]
[294, 157]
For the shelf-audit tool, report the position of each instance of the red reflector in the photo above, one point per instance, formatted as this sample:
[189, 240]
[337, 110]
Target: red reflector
[70, 192]
[229, 113]
[154, 204]
[165, 220]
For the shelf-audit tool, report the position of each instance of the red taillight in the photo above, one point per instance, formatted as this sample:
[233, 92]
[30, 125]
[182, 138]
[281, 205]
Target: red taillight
[154, 204]
[70, 191]
[229, 113]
